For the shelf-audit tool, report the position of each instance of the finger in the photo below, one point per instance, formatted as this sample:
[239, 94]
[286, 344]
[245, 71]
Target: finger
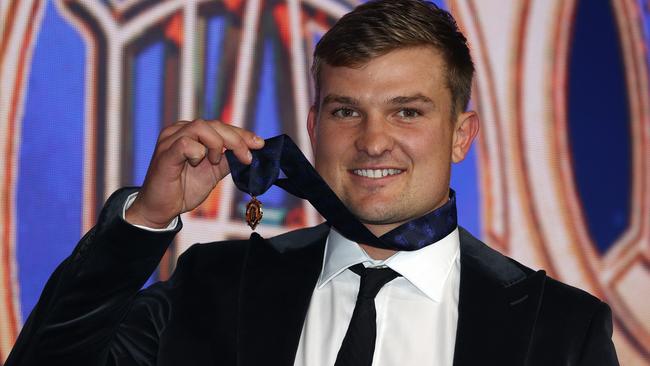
[198, 130]
[171, 129]
[185, 149]
[237, 140]
[222, 168]
[216, 136]
[212, 140]
[214, 155]
[252, 140]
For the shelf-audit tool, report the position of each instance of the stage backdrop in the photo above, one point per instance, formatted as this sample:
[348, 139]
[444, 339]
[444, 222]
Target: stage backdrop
[559, 178]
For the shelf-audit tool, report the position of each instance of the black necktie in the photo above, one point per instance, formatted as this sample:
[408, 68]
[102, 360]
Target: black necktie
[358, 346]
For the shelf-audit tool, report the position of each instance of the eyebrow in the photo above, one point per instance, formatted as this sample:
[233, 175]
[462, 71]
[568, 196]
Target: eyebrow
[334, 98]
[411, 98]
[399, 100]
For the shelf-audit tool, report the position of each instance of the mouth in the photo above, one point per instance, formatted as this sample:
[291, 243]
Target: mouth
[377, 173]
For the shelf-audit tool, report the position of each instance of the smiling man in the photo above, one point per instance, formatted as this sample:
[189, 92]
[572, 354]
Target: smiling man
[393, 80]
[385, 132]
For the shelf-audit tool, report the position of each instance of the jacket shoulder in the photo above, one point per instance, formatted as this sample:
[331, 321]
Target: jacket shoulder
[509, 270]
[490, 263]
[574, 322]
[493, 261]
[557, 290]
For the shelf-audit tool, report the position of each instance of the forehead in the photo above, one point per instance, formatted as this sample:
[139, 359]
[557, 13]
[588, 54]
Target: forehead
[406, 71]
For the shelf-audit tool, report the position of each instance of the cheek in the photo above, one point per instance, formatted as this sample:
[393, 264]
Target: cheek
[333, 140]
[328, 153]
[430, 155]
[323, 148]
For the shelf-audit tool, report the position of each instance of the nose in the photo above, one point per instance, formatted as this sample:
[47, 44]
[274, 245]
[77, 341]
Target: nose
[375, 137]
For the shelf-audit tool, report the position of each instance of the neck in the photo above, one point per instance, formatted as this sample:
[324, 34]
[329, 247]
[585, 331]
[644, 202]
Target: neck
[379, 230]
[377, 253]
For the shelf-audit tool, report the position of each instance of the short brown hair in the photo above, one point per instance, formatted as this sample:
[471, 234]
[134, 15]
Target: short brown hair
[378, 27]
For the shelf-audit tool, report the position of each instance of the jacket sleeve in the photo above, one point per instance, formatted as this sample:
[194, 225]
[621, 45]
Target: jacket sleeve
[598, 348]
[84, 301]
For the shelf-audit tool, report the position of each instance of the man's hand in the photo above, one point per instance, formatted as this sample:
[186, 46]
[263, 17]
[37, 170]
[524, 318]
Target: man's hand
[187, 164]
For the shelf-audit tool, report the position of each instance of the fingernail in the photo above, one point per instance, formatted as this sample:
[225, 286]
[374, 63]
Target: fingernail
[250, 156]
[258, 140]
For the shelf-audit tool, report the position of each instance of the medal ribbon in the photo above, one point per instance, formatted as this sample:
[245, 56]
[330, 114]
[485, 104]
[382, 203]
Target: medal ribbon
[280, 153]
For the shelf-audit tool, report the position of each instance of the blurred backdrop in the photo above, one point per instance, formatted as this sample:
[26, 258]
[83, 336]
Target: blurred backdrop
[559, 178]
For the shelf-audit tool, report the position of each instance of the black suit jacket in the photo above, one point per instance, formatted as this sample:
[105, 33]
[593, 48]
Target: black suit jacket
[244, 303]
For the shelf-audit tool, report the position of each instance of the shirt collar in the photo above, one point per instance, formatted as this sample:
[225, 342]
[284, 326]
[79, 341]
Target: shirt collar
[427, 269]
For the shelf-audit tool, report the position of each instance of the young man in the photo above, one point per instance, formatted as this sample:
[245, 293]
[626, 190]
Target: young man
[393, 80]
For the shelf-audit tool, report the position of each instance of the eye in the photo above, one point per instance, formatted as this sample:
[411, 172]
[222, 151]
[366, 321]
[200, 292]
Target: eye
[408, 113]
[345, 113]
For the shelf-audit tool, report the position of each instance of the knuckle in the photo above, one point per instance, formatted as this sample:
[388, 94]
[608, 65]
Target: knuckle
[241, 143]
[218, 139]
[167, 131]
[184, 142]
[245, 134]
[215, 126]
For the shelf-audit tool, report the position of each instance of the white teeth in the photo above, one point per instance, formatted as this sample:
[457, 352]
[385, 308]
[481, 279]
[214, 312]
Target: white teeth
[376, 173]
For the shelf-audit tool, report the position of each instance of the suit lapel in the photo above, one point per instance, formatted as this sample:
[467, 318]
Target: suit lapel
[497, 308]
[277, 284]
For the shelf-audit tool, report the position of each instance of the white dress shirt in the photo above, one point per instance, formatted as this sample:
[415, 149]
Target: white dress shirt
[417, 313]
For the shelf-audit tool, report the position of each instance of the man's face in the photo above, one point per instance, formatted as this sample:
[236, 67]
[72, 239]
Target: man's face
[384, 136]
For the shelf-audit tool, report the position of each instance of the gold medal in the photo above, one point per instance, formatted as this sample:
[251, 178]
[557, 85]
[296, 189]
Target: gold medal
[253, 212]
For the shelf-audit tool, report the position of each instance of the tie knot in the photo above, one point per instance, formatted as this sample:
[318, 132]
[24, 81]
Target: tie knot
[372, 279]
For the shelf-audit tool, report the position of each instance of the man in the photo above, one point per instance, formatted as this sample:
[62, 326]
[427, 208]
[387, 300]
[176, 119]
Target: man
[393, 79]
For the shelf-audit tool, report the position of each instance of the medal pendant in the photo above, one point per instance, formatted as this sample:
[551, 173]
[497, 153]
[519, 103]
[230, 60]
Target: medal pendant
[253, 212]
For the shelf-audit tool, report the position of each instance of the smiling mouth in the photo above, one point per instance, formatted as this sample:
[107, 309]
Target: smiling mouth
[376, 173]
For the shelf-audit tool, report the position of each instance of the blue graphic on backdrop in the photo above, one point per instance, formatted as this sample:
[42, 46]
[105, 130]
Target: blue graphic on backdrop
[598, 104]
[147, 110]
[51, 155]
[213, 91]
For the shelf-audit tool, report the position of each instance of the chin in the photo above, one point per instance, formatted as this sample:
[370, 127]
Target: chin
[376, 214]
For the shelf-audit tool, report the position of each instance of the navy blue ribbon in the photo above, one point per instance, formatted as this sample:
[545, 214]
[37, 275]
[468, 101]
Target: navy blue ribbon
[280, 153]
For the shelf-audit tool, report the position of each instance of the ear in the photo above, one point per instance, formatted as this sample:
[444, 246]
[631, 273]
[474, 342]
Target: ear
[465, 130]
[312, 122]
